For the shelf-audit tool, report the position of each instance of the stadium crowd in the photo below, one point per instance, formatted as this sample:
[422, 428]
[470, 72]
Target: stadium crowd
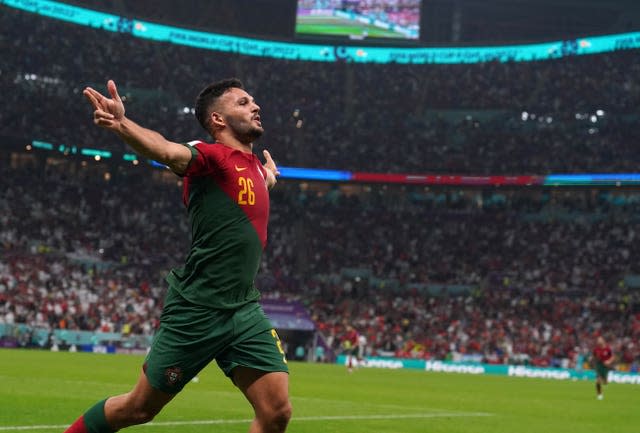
[436, 118]
[504, 276]
[507, 276]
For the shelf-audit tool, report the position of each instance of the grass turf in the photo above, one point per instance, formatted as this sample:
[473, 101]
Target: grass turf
[340, 27]
[50, 390]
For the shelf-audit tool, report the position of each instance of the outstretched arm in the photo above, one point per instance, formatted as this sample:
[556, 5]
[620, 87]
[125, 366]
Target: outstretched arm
[109, 114]
[272, 170]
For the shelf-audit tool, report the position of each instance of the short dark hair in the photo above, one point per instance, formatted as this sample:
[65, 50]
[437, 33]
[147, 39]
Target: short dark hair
[209, 95]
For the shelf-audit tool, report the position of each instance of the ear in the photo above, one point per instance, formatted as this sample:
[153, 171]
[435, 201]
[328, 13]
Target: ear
[217, 122]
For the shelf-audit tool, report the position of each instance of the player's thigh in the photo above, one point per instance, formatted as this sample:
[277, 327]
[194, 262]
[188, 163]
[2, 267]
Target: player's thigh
[188, 339]
[268, 392]
[256, 362]
[255, 344]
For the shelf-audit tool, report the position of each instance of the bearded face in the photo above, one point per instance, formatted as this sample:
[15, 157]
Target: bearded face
[245, 130]
[241, 115]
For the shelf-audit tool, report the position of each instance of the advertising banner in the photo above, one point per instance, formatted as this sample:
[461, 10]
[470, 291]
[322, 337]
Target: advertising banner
[493, 369]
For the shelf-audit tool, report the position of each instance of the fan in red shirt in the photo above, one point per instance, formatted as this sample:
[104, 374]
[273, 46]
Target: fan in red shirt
[603, 360]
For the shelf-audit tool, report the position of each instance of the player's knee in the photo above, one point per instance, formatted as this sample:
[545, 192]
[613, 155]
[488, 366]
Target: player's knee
[279, 417]
[283, 415]
[128, 412]
[286, 412]
[143, 415]
[140, 413]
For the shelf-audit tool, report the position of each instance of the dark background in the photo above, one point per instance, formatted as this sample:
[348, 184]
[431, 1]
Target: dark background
[443, 21]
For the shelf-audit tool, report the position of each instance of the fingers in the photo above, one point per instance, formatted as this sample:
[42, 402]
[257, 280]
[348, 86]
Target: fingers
[104, 123]
[270, 164]
[107, 111]
[100, 115]
[96, 98]
[267, 156]
[113, 90]
[93, 97]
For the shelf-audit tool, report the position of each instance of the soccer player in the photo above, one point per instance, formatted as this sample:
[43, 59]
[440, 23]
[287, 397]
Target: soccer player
[211, 310]
[350, 347]
[603, 359]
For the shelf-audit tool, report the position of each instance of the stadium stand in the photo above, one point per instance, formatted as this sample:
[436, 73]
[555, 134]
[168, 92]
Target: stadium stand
[518, 276]
[439, 118]
[506, 276]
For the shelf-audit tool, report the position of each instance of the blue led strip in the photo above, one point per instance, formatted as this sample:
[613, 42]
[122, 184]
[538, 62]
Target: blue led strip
[314, 174]
[327, 175]
[72, 14]
[327, 53]
[296, 173]
[246, 46]
[593, 179]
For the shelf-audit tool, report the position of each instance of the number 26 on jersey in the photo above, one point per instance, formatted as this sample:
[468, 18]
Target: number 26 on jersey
[246, 195]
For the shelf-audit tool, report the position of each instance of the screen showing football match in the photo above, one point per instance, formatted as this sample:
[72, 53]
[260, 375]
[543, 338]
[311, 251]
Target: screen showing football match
[359, 19]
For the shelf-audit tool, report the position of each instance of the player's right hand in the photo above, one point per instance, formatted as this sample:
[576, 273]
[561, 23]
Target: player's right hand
[108, 112]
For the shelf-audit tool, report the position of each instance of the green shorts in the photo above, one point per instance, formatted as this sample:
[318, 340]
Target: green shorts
[191, 336]
[602, 370]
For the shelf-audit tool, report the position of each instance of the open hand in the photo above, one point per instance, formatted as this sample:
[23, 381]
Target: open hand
[108, 112]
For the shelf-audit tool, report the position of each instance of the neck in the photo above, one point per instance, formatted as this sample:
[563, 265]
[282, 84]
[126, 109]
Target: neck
[234, 143]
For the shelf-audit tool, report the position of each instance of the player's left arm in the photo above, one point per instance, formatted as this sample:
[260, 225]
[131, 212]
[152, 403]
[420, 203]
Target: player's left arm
[609, 361]
[271, 169]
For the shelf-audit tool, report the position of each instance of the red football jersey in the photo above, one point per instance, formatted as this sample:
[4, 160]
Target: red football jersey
[228, 205]
[603, 354]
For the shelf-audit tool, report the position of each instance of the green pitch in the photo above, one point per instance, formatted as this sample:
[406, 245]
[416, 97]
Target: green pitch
[328, 25]
[44, 392]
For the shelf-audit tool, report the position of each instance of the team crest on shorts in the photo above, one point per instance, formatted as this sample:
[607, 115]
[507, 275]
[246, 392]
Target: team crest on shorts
[173, 375]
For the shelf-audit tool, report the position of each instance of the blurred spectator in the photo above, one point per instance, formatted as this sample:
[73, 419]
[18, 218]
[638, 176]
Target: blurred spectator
[360, 117]
[522, 276]
[519, 276]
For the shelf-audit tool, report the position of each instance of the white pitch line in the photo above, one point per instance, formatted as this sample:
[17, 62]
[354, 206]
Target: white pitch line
[294, 420]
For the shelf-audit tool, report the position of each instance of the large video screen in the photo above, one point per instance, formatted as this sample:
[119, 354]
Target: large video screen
[359, 19]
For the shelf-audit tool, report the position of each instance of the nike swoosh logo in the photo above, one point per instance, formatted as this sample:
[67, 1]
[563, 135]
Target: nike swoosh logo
[240, 168]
